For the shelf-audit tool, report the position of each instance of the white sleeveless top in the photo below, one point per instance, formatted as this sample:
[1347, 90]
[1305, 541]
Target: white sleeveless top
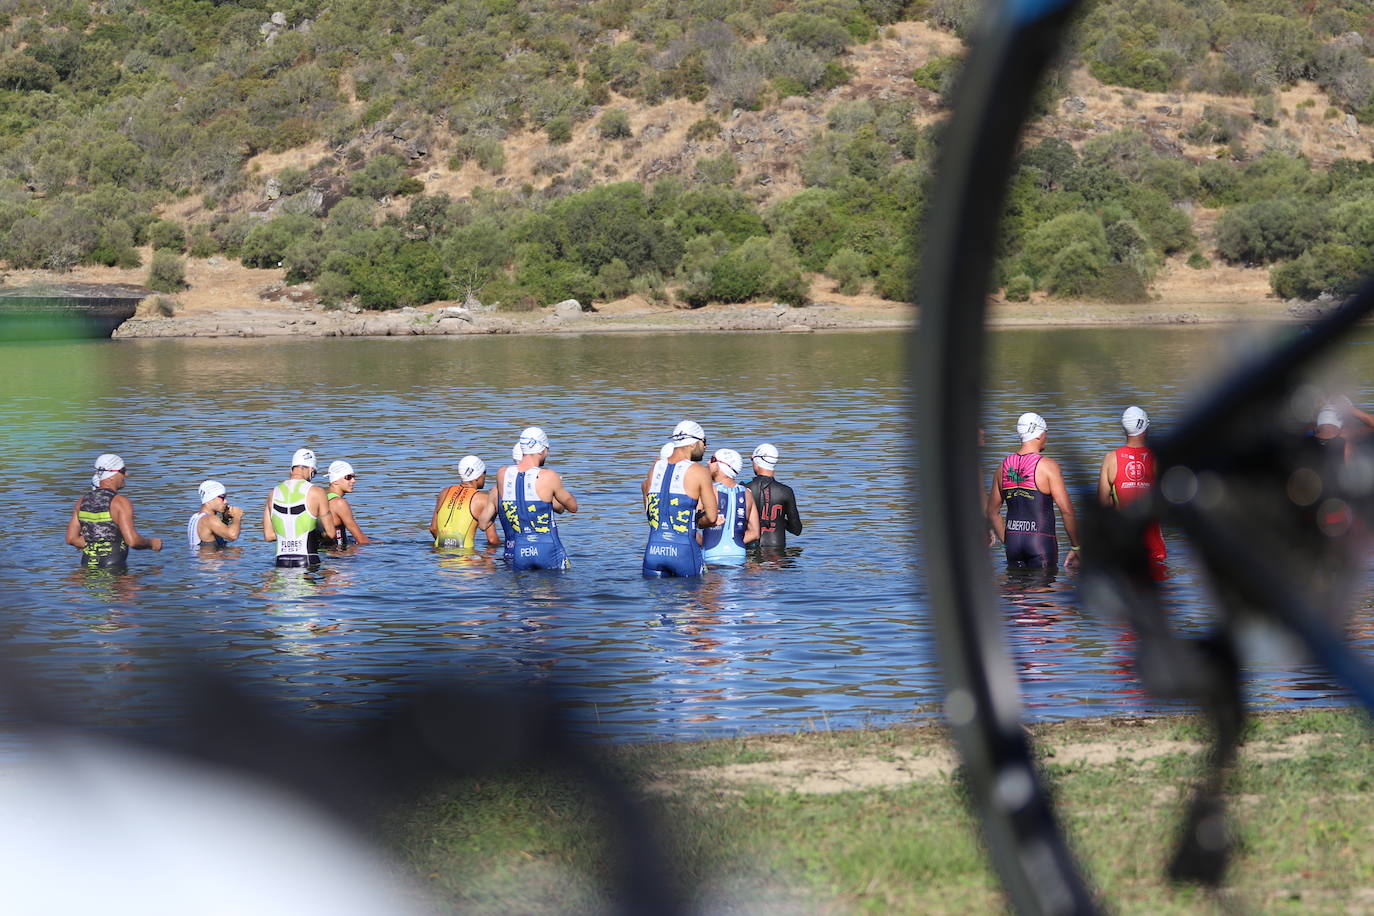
[193, 529]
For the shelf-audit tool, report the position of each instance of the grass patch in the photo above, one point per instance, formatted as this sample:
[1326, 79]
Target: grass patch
[755, 838]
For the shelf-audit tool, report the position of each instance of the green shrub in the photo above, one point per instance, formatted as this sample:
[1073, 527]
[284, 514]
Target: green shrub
[847, 268]
[720, 169]
[759, 267]
[202, 243]
[1019, 288]
[614, 125]
[704, 129]
[1120, 284]
[1326, 268]
[1074, 270]
[1197, 261]
[937, 73]
[1050, 240]
[613, 280]
[559, 129]
[1267, 231]
[378, 178]
[166, 272]
[333, 287]
[166, 234]
[266, 245]
[293, 180]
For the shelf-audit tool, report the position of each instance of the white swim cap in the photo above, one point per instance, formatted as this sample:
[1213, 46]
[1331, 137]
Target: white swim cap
[1030, 426]
[533, 440]
[665, 450]
[304, 458]
[729, 460]
[338, 470]
[1328, 417]
[106, 466]
[767, 455]
[1134, 421]
[686, 431]
[470, 468]
[210, 489]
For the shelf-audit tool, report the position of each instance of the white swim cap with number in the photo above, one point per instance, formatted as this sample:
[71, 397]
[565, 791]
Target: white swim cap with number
[304, 458]
[338, 470]
[1030, 426]
[533, 440]
[470, 468]
[210, 489]
[1134, 421]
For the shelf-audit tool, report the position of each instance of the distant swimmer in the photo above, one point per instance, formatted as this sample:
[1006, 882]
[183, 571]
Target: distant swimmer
[531, 495]
[1328, 435]
[461, 511]
[295, 513]
[676, 490]
[342, 480]
[102, 524]
[777, 503]
[1032, 486]
[724, 545]
[1128, 474]
[217, 523]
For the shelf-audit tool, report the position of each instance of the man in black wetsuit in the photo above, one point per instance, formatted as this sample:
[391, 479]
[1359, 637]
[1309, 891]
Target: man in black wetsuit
[777, 504]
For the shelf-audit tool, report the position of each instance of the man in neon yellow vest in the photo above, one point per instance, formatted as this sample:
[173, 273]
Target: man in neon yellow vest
[295, 514]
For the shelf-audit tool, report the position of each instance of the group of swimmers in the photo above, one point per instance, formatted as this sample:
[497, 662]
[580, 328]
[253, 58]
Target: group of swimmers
[698, 514]
[1031, 484]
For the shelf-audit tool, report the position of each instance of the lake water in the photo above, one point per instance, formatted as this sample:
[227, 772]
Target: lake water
[835, 634]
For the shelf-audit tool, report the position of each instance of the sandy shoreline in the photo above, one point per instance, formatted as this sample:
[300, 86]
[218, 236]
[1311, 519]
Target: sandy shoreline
[226, 299]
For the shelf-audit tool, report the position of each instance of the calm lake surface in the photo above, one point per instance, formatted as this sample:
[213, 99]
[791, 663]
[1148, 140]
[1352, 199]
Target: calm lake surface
[835, 634]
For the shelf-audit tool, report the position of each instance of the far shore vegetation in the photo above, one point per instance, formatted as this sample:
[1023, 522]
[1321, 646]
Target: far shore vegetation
[128, 125]
[875, 821]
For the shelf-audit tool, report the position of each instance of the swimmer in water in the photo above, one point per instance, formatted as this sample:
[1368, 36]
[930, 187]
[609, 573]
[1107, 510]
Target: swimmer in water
[530, 496]
[217, 523]
[724, 545]
[1128, 474]
[342, 480]
[102, 523]
[1032, 486]
[777, 503]
[295, 514]
[676, 491]
[461, 511]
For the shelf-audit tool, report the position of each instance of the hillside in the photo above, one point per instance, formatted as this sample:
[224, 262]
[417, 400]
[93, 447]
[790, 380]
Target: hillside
[525, 153]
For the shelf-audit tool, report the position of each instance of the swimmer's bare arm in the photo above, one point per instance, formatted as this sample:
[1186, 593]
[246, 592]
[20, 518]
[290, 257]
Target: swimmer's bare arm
[1104, 480]
[751, 514]
[434, 516]
[698, 486]
[486, 517]
[318, 504]
[268, 534]
[74, 529]
[122, 513]
[343, 515]
[994, 511]
[229, 532]
[563, 500]
[1053, 477]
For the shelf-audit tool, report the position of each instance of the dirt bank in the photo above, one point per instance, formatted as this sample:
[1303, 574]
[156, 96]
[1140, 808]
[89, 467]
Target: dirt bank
[225, 299]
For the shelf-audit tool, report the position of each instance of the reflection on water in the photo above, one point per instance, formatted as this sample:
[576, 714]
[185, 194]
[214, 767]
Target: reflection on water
[831, 632]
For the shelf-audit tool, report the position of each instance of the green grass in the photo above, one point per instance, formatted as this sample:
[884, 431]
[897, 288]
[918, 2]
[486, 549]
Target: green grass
[743, 832]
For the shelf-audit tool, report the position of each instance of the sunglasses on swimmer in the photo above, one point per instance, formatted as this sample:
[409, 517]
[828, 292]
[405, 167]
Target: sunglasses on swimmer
[349, 476]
